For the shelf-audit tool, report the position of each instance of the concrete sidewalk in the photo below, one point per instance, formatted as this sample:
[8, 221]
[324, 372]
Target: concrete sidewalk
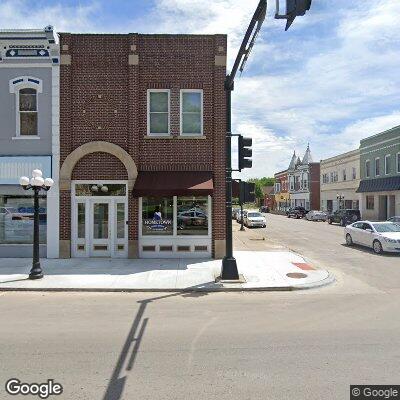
[280, 270]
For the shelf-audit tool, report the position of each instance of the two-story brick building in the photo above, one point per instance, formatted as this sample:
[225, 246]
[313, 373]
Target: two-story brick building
[29, 132]
[142, 143]
[380, 175]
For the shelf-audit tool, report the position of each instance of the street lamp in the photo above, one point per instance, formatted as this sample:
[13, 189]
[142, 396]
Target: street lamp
[36, 183]
[340, 199]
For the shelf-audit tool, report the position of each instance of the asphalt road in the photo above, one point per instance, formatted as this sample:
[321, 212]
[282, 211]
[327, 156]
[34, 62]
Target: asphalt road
[293, 345]
[324, 246]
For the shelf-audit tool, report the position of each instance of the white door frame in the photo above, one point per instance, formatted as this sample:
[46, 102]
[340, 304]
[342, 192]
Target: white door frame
[118, 247]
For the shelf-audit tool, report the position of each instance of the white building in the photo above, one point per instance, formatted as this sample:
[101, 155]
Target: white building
[340, 179]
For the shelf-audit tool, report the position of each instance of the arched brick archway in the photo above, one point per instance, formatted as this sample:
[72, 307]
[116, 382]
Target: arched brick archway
[94, 147]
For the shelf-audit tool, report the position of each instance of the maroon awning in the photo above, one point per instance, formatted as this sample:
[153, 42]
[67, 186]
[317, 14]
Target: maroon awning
[176, 183]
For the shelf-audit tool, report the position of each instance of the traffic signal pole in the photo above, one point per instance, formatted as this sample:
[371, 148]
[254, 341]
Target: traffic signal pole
[229, 270]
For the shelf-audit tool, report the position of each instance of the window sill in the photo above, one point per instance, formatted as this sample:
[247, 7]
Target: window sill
[158, 137]
[25, 137]
[191, 137]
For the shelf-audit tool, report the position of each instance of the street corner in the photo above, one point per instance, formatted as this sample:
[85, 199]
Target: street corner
[280, 270]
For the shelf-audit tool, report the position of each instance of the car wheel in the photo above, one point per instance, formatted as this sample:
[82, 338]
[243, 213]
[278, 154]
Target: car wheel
[377, 246]
[349, 240]
[329, 221]
[342, 222]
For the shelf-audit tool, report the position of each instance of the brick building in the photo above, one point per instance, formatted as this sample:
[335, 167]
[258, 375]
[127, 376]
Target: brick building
[142, 145]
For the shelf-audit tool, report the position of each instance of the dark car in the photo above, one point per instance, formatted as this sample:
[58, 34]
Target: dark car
[264, 209]
[395, 219]
[296, 212]
[344, 217]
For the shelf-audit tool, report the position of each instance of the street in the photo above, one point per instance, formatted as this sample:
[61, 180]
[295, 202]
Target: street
[253, 345]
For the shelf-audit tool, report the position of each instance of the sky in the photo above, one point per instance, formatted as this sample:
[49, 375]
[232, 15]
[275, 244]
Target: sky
[330, 80]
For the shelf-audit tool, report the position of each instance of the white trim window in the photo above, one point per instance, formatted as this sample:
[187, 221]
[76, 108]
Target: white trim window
[158, 112]
[387, 164]
[398, 162]
[377, 166]
[354, 174]
[191, 112]
[367, 168]
[26, 90]
[344, 175]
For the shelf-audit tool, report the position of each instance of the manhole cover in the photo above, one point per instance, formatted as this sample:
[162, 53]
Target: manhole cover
[296, 275]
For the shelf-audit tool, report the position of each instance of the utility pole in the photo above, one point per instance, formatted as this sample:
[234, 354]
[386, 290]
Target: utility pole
[229, 270]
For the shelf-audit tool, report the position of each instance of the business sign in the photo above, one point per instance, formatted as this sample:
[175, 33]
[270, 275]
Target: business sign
[12, 168]
[157, 227]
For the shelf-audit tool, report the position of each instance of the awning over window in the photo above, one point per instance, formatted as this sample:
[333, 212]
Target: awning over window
[177, 183]
[388, 184]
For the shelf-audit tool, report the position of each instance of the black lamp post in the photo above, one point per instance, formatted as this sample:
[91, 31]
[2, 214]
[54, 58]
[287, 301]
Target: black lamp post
[340, 199]
[36, 183]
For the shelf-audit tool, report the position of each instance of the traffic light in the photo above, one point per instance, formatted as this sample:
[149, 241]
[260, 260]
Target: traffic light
[294, 8]
[245, 152]
[247, 192]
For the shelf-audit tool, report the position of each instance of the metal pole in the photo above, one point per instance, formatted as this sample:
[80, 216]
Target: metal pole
[36, 271]
[229, 269]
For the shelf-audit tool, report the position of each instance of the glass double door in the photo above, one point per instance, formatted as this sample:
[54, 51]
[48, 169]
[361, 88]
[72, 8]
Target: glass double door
[100, 228]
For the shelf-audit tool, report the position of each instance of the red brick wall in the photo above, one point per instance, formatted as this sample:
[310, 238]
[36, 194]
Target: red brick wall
[315, 186]
[104, 98]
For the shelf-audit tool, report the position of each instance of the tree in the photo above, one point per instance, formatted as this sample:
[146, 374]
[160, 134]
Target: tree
[260, 183]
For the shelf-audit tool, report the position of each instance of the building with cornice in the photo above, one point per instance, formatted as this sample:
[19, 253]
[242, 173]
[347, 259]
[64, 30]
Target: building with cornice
[304, 183]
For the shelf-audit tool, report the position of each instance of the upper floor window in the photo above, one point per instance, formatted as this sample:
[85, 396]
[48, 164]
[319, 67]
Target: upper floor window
[26, 90]
[354, 175]
[191, 112]
[367, 169]
[387, 164]
[344, 175]
[398, 163]
[158, 110]
[377, 167]
[28, 118]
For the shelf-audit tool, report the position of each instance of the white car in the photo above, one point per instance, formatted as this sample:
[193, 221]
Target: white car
[380, 236]
[315, 215]
[253, 219]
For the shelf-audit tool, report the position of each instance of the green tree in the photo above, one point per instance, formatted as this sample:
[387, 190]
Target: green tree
[260, 183]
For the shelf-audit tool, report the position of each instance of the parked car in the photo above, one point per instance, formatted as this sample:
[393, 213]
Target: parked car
[395, 219]
[264, 209]
[254, 219]
[380, 236]
[191, 218]
[296, 212]
[315, 215]
[238, 215]
[234, 212]
[344, 217]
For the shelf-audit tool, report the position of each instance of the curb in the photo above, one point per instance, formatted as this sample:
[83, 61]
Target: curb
[328, 280]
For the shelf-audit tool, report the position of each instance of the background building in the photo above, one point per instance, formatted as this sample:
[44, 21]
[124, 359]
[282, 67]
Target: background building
[29, 137]
[281, 192]
[380, 175]
[142, 145]
[304, 181]
[340, 177]
[269, 197]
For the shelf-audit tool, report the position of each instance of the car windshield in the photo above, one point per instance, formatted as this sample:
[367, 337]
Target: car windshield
[254, 214]
[389, 227]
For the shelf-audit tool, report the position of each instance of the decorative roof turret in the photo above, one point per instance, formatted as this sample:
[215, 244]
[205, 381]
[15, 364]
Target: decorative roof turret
[307, 159]
[292, 164]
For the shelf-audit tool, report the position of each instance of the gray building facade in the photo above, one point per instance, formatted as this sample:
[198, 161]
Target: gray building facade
[29, 137]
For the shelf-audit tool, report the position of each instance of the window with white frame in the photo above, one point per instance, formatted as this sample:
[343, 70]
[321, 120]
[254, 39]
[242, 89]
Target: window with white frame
[344, 175]
[354, 175]
[387, 164]
[191, 112]
[28, 115]
[367, 169]
[377, 166]
[158, 112]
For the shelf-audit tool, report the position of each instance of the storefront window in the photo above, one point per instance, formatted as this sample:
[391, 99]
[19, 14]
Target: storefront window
[192, 215]
[157, 216]
[16, 220]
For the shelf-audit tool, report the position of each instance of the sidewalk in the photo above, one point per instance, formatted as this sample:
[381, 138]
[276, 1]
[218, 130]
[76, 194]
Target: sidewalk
[262, 270]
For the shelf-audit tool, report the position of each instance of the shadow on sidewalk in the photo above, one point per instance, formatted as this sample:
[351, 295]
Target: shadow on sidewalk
[127, 357]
